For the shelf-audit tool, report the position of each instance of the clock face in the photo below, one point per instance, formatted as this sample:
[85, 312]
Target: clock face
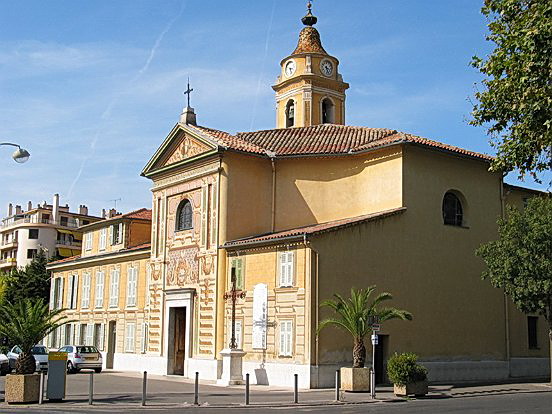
[289, 69]
[326, 67]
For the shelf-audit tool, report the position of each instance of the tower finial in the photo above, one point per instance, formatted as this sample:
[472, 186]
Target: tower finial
[309, 19]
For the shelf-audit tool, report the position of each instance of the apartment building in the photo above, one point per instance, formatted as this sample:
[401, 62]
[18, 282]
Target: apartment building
[103, 289]
[51, 227]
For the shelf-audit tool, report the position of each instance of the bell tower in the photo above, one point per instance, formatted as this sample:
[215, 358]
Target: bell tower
[310, 89]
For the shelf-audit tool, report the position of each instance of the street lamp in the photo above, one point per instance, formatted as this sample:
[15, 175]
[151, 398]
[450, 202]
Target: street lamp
[20, 155]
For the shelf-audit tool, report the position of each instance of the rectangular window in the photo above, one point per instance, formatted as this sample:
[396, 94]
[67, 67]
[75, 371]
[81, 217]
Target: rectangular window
[237, 267]
[88, 241]
[99, 294]
[72, 291]
[286, 269]
[114, 289]
[33, 233]
[82, 334]
[64, 221]
[103, 238]
[144, 338]
[286, 337]
[98, 335]
[532, 338]
[58, 293]
[89, 334]
[132, 281]
[31, 253]
[78, 329]
[116, 233]
[85, 300]
[129, 337]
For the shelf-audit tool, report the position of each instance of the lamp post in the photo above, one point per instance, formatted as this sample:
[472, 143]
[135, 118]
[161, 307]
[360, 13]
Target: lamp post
[20, 155]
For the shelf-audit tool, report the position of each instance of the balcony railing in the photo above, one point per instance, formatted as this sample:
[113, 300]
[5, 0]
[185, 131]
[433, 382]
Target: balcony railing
[77, 243]
[9, 260]
[35, 220]
[8, 245]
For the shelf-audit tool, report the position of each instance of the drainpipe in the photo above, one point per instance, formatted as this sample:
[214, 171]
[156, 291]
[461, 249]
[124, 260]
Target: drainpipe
[506, 310]
[273, 207]
[315, 291]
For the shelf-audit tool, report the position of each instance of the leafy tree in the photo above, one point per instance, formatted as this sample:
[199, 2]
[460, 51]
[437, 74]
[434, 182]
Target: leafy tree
[520, 261]
[355, 315]
[32, 281]
[516, 104]
[26, 323]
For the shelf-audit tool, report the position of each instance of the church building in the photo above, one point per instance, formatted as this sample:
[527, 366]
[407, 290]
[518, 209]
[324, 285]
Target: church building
[313, 208]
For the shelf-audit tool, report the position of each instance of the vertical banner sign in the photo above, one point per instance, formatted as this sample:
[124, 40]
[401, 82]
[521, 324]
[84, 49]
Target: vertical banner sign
[260, 316]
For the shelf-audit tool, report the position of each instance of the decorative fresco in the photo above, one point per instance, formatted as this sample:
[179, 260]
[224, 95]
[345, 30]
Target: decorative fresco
[183, 267]
[188, 148]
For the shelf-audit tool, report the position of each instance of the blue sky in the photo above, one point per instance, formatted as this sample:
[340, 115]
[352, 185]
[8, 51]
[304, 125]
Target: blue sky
[91, 88]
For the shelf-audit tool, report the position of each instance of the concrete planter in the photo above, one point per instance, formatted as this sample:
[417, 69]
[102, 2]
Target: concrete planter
[355, 379]
[415, 388]
[22, 388]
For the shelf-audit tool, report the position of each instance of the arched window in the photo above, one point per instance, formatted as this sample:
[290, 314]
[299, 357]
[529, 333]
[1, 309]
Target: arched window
[290, 113]
[452, 209]
[327, 111]
[184, 216]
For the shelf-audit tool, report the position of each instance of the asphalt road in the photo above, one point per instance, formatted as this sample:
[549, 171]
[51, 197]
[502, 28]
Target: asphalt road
[122, 393]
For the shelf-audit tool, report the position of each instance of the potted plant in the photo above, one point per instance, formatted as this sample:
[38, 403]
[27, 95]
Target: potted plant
[355, 315]
[408, 377]
[26, 323]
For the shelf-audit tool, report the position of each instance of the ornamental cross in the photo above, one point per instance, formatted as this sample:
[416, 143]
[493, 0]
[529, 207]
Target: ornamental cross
[187, 92]
[234, 294]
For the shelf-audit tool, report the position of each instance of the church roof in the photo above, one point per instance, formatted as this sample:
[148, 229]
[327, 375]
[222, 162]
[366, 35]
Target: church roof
[300, 232]
[324, 139]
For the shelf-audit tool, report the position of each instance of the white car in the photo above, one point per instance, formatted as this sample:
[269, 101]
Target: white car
[40, 352]
[82, 356]
[4, 364]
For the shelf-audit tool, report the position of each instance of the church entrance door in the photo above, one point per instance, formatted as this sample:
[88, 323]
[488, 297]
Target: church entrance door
[179, 340]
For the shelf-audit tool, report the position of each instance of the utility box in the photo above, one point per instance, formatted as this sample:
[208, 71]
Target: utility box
[57, 375]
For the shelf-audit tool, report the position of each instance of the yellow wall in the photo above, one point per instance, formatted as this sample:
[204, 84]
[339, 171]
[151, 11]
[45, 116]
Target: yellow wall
[121, 313]
[135, 232]
[284, 303]
[309, 190]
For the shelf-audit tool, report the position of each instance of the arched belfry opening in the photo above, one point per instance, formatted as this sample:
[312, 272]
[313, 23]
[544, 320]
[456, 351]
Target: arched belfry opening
[328, 111]
[290, 113]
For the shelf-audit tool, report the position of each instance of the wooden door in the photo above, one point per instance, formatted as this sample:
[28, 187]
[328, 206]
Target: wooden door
[179, 340]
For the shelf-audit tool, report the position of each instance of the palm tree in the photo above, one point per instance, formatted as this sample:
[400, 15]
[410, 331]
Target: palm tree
[356, 315]
[26, 323]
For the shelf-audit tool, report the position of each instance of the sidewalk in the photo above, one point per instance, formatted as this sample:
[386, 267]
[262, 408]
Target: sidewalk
[124, 390]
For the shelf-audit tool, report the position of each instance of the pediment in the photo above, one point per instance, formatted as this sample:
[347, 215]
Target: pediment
[186, 147]
[181, 144]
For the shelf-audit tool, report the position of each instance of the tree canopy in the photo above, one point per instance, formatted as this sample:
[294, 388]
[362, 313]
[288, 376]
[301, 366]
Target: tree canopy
[520, 261]
[516, 102]
[356, 315]
[32, 281]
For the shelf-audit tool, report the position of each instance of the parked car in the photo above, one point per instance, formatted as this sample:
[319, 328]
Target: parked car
[82, 356]
[40, 352]
[4, 364]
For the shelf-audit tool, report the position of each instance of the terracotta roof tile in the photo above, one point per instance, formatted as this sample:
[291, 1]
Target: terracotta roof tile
[142, 213]
[66, 259]
[313, 229]
[325, 139]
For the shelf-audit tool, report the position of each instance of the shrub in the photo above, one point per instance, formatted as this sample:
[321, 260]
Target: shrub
[404, 369]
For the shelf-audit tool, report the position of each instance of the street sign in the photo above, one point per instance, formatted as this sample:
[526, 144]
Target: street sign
[374, 339]
[376, 327]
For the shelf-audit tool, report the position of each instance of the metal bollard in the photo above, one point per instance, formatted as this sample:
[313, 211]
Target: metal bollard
[337, 384]
[372, 383]
[144, 388]
[296, 389]
[246, 389]
[91, 388]
[41, 395]
[196, 389]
